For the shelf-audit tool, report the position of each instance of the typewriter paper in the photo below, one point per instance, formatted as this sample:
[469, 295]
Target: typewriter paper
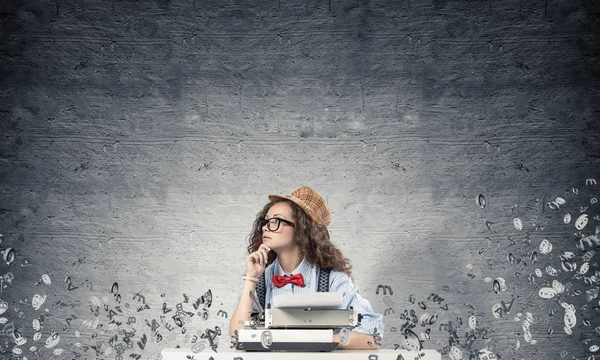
[317, 300]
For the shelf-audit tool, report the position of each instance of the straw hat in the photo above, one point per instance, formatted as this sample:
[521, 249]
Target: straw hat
[311, 202]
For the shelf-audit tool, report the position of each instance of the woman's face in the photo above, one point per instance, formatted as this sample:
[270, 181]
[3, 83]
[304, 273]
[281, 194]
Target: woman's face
[284, 236]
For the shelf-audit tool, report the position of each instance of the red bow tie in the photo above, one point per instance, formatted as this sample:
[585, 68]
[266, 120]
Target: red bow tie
[295, 279]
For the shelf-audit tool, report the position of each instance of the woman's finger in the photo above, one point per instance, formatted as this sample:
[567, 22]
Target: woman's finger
[256, 257]
[265, 247]
[266, 255]
[263, 255]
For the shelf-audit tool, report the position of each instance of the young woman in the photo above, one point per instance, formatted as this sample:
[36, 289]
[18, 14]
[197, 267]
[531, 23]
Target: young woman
[291, 239]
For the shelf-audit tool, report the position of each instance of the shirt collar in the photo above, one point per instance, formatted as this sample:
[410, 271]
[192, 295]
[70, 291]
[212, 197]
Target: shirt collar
[305, 268]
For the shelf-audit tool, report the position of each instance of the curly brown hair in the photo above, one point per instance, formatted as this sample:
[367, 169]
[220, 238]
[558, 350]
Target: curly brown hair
[312, 239]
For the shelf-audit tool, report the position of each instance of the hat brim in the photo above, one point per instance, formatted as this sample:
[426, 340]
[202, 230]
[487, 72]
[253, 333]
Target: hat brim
[307, 210]
[273, 197]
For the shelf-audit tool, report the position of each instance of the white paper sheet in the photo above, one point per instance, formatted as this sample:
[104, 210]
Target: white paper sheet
[317, 300]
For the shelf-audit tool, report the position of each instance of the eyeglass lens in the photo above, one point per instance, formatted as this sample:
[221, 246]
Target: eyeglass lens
[273, 224]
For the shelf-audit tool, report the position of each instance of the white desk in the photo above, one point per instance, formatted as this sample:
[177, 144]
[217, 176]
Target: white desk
[385, 354]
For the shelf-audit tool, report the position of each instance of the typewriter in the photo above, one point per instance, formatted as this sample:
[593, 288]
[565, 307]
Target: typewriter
[297, 322]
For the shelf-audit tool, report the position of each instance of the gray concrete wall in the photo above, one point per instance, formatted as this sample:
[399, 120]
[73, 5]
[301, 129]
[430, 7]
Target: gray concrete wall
[138, 140]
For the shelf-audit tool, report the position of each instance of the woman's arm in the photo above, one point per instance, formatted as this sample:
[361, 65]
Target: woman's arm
[371, 325]
[358, 341]
[243, 309]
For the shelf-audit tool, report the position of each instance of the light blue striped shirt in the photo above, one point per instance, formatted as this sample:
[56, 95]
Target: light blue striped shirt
[339, 281]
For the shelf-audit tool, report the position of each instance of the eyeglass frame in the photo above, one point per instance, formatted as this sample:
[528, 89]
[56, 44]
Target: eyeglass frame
[263, 222]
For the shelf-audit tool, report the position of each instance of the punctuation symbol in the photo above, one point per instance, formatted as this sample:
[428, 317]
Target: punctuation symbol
[384, 287]
[590, 182]
[222, 313]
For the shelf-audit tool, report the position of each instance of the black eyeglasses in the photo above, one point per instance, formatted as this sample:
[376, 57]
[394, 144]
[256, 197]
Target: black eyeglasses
[273, 223]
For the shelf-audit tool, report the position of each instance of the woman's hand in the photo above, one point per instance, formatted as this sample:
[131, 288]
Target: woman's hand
[257, 261]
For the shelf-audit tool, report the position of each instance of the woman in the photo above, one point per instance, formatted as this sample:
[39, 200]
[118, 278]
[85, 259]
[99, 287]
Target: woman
[290, 237]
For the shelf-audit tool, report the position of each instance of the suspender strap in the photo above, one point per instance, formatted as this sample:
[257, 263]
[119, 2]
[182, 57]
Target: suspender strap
[324, 280]
[261, 290]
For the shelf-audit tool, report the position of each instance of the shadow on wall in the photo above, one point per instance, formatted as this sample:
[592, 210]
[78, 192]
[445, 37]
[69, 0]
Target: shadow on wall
[547, 293]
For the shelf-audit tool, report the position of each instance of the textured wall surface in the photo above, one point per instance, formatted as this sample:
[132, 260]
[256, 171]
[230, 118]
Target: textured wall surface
[139, 139]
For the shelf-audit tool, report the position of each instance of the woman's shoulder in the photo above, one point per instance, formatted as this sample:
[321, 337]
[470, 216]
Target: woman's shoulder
[338, 276]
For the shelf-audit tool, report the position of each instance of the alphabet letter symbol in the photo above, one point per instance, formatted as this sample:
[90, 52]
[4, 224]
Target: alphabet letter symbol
[384, 287]
[139, 298]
